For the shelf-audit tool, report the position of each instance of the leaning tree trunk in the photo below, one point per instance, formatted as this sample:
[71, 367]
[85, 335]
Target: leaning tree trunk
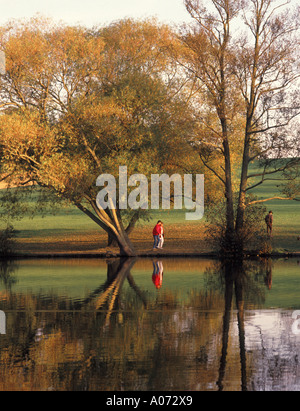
[125, 245]
[112, 224]
[111, 242]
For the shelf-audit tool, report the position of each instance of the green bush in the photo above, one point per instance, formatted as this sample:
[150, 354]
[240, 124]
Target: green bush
[253, 234]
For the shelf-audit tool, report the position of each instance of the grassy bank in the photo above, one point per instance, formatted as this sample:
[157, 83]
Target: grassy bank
[70, 231]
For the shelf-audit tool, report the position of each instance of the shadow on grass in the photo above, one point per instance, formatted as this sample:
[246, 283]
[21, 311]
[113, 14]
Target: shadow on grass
[49, 232]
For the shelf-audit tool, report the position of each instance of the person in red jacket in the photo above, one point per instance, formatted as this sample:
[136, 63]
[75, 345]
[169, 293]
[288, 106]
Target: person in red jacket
[156, 234]
[162, 236]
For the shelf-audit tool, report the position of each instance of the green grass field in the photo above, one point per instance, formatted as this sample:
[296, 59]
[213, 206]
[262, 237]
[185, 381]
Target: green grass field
[286, 216]
[73, 226]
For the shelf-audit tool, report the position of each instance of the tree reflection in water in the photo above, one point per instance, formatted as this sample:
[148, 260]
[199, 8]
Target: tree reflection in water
[125, 337]
[240, 281]
[234, 275]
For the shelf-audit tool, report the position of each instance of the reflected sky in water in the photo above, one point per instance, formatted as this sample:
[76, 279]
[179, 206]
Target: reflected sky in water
[144, 325]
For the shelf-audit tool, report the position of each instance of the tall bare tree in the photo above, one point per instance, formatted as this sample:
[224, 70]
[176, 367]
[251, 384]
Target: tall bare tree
[267, 69]
[244, 55]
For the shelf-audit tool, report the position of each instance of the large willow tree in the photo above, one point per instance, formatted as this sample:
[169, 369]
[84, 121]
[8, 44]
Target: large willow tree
[77, 103]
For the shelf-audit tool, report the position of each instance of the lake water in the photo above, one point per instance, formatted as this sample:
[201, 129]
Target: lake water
[150, 325]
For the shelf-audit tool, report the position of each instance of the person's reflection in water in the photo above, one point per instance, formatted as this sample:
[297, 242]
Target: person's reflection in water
[158, 272]
[268, 277]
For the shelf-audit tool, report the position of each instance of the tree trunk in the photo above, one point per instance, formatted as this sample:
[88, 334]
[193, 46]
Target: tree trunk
[241, 207]
[251, 106]
[229, 240]
[229, 197]
[111, 242]
[125, 245]
[113, 227]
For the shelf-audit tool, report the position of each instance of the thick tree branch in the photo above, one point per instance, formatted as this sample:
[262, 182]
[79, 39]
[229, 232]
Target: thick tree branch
[272, 198]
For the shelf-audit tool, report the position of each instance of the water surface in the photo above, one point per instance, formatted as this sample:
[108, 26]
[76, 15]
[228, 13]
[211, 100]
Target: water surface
[147, 325]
